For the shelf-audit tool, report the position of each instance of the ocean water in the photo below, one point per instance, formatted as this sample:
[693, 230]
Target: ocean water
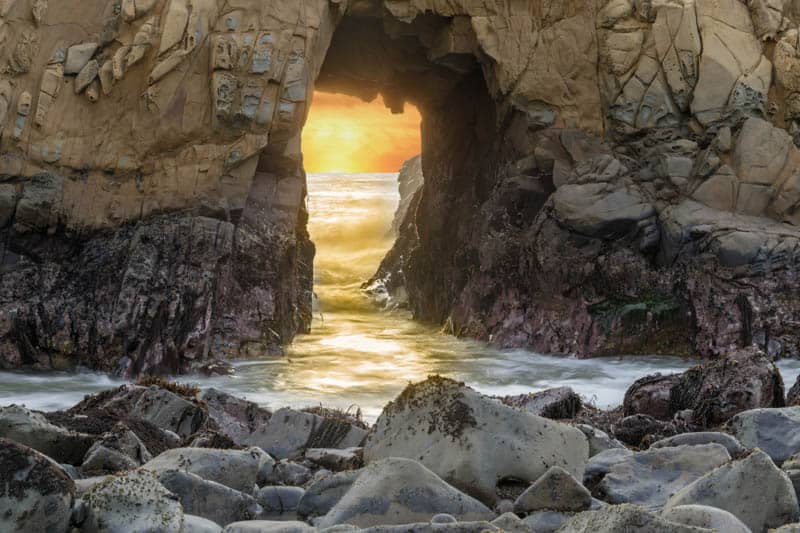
[359, 356]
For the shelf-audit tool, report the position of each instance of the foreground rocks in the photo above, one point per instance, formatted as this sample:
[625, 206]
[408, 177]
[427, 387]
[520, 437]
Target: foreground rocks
[444, 425]
[473, 464]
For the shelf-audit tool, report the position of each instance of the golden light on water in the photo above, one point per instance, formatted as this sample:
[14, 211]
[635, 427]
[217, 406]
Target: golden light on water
[346, 134]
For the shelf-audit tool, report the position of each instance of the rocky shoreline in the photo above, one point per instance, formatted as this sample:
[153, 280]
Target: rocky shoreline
[157, 456]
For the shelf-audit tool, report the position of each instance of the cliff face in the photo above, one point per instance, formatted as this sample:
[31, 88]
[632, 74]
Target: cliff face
[593, 169]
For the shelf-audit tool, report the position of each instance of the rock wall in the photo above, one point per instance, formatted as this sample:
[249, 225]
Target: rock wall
[594, 170]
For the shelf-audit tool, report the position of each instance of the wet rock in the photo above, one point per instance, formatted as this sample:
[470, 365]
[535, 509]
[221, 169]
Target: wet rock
[198, 524]
[133, 502]
[240, 470]
[638, 430]
[556, 490]
[217, 368]
[288, 473]
[733, 446]
[32, 429]
[649, 478]
[718, 390]
[336, 460]
[626, 517]
[600, 464]
[280, 500]
[650, 396]
[289, 433]
[400, 491]
[706, 517]
[558, 403]
[444, 424]
[235, 417]
[511, 523]
[323, 494]
[599, 441]
[267, 526]
[208, 499]
[119, 449]
[751, 488]
[35, 493]
[775, 431]
[714, 391]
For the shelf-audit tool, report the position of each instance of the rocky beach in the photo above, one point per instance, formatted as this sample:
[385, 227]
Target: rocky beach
[715, 448]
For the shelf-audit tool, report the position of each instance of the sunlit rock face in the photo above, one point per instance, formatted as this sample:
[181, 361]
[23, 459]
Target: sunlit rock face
[594, 172]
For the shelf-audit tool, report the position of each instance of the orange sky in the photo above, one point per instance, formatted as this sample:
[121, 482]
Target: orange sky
[346, 134]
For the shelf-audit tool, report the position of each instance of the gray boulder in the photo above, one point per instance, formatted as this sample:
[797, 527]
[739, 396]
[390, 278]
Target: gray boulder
[118, 449]
[35, 493]
[601, 210]
[32, 429]
[238, 469]
[290, 432]
[752, 488]
[208, 499]
[556, 490]
[336, 459]
[625, 518]
[706, 517]
[288, 473]
[599, 441]
[401, 491]
[135, 502]
[733, 446]
[267, 526]
[792, 468]
[235, 417]
[547, 521]
[279, 500]
[169, 411]
[557, 403]
[323, 494]
[511, 523]
[649, 478]
[775, 431]
[600, 464]
[446, 425]
[198, 524]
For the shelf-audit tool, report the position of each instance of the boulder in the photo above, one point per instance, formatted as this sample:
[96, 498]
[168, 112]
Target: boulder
[719, 389]
[650, 396]
[793, 395]
[169, 411]
[401, 491]
[733, 446]
[751, 488]
[238, 469]
[627, 518]
[290, 432]
[288, 473]
[198, 524]
[649, 478]
[600, 464]
[280, 500]
[557, 403]
[706, 517]
[209, 499]
[640, 430]
[35, 493]
[118, 449]
[323, 494]
[446, 425]
[134, 502]
[336, 460]
[32, 429]
[234, 417]
[511, 523]
[600, 211]
[428, 527]
[792, 469]
[599, 441]
[556, 490]
[715, 390]
[775, 431]
[547, 521]
[267, 526]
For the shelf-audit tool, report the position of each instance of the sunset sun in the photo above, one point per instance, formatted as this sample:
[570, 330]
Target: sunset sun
[346, 134]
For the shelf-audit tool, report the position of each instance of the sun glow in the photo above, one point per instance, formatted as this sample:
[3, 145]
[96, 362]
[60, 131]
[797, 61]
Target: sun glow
[346, 134]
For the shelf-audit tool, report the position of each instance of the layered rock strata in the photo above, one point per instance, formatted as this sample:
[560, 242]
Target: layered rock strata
[594, 172]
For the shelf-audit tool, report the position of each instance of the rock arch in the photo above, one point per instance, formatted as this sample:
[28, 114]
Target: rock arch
[596, 172]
